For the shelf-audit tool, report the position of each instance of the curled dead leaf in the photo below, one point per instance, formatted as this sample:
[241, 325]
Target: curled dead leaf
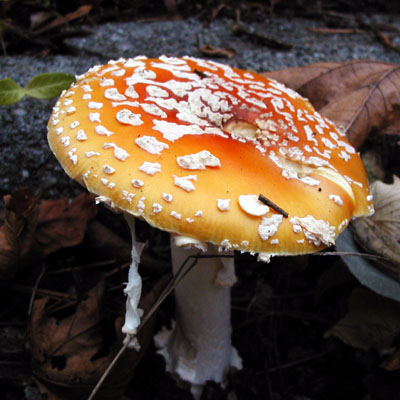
[392, 361]
[379, 277]
[39, 18]
[376, 241]
[387, 206]
[371, 322]
[82, 11]
[63, 223]
[33, 228]
[17, 233]
[377, 235]
[70, 353]
[380, 233]
[361, 96]
[65, 345]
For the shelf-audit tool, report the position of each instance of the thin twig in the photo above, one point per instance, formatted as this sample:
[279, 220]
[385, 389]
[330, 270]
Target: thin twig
[181, 273]
[109, 368]
[58, 307]
[98, 264]
[348, 253]
[300, 362]
[42, 292]
[271, 204]
[34, 290]
[12, 323]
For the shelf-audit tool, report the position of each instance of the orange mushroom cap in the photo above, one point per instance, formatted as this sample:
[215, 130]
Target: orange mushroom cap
[189, 145]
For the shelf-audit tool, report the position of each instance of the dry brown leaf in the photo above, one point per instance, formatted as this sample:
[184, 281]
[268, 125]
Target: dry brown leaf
[78, 13]
[33, 229]
[386, 41]
[39, 18]
[63, 223]
[65, 344]
[371, 322]
[392, 361]
[100, 236]
[387, 207]
[296, 77]
[70, 354]
[376, 241]
[360, 96]
[17, 232]
[212, 51]
[215, 12]
[379, 234]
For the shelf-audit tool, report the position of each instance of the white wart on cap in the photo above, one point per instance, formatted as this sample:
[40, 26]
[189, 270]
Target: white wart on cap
[189, 145]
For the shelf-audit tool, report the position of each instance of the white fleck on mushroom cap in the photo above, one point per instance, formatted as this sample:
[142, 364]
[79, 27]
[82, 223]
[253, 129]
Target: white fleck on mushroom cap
[188, 145]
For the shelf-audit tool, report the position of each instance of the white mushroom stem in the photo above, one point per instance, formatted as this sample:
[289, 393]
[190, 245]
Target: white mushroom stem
[133, 289]
[199, 347]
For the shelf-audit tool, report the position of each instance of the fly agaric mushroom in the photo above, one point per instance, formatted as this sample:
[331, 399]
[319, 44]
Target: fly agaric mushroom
[189, 145]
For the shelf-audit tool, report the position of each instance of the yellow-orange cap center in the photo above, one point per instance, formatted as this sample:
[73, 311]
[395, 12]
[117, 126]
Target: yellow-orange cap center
[189, 145]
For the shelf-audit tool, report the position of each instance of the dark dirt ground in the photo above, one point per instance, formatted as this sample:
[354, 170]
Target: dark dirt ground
[280, 311]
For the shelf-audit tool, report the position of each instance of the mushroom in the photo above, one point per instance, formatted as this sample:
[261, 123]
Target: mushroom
[189, 146]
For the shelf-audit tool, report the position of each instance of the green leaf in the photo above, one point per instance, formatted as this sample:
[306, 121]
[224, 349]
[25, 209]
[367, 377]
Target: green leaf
[46, 86]
[10, 92]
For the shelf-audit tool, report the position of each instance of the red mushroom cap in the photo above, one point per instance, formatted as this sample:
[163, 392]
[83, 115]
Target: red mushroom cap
[189, 145]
